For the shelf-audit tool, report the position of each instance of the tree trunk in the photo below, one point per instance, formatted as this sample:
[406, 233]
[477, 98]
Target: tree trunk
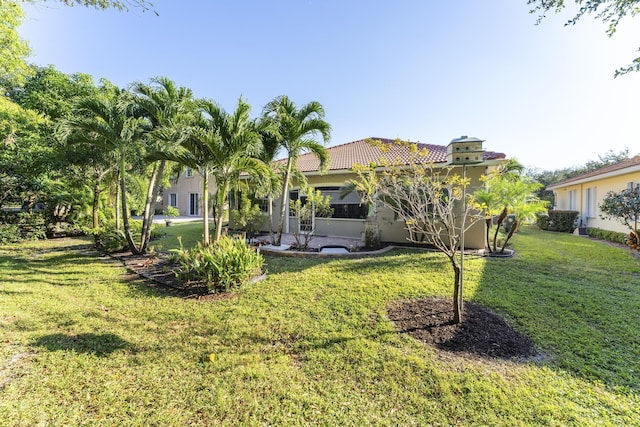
[457, 292]
[96, 203]
[156, 191]
[513, 230]
[205, 210]
[118, 204]
[501, 218]
[488, 223]
[146, 225]
[125, 215]
[285, 198]
[270, 213]
[220, 197]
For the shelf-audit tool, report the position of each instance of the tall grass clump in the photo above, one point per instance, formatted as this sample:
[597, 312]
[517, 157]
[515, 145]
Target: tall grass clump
[224, 265]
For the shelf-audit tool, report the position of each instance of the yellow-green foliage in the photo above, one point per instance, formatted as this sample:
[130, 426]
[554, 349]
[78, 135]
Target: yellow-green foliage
[226, 264]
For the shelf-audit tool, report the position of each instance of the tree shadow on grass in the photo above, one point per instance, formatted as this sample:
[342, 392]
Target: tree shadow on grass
[99, 344]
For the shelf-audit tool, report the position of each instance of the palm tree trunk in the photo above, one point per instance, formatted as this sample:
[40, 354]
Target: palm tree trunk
[118, 203]
[125, 216]
[270, 213]
[513, 230]
[205, 210]
[156, 191]
[501, 218]
[146, 216]
[220, 197]
[283, 201]
[96, 202]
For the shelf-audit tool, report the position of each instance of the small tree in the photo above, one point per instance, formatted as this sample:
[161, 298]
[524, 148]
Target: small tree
[431, 203]
[248, 217]
[366, 185]
[315, 206]
[623, 206]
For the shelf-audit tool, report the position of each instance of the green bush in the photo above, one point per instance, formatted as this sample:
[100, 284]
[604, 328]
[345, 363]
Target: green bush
[224, 265]
[554, 220]
[109, 239]
[610, 236]
[18, 226]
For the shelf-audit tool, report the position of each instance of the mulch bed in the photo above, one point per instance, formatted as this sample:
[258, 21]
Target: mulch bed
[481, 333]
[159, 272]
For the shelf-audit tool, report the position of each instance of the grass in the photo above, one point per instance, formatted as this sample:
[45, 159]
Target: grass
[311, 343]
[189, 232]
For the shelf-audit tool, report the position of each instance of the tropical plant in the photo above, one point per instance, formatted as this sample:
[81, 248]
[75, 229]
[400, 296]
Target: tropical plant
[366, 185]
[226, 264]
[248, 217]
[109, 122]
[507, 192]
[166, 106]
[296, 130]
[315, 205]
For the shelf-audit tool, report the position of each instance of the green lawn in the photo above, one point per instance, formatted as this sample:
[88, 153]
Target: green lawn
[311, 343]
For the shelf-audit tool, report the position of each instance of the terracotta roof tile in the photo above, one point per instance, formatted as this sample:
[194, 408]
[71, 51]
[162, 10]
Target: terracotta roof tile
[344, 156]
[626, 163]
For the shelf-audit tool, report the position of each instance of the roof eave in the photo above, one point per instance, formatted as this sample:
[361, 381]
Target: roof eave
[622, 171]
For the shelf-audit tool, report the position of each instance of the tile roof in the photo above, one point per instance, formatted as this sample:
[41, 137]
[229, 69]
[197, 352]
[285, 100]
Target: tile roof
[626, 163]
[344, 156]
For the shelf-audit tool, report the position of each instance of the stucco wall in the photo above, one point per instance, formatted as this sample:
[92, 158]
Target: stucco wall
[182, 188]
[391, 230]
[602, 187]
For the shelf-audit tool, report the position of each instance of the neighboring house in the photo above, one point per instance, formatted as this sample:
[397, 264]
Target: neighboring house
[349, 216]
[185, 193]
[584, 193]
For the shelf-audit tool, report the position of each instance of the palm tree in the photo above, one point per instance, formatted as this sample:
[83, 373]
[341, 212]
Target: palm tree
[109, 121]
[297, 129]
[164, 105]
[232, 142]
[220, 146]
[271, 184]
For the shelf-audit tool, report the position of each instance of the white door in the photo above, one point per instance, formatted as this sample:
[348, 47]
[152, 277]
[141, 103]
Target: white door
[194, 204]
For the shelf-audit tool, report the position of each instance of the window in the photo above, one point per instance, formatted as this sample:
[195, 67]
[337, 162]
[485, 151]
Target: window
[263, 203]
[293, 196]
[173, 200]
[633, 185]
[573, 201]
[188, 172]
[348, 207]
[591, 202]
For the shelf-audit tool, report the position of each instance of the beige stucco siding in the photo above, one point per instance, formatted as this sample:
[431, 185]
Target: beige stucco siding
[598, 189]
[391, 229]
[182, 188]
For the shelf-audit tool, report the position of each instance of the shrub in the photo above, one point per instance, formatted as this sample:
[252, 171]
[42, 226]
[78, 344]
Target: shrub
[109, 239]
[554, 220]
[610, 236]
[18, 226]
[224, 265]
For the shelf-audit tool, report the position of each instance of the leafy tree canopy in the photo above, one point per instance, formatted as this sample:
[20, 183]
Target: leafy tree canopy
[106, 4]
[611, 12]
[13, 50]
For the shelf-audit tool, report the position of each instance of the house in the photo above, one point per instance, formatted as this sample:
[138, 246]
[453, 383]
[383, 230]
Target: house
[584, 193]
[185, 193]
[349, 215]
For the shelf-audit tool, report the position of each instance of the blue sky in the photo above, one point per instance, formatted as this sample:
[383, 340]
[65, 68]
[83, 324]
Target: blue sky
[420, 70]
